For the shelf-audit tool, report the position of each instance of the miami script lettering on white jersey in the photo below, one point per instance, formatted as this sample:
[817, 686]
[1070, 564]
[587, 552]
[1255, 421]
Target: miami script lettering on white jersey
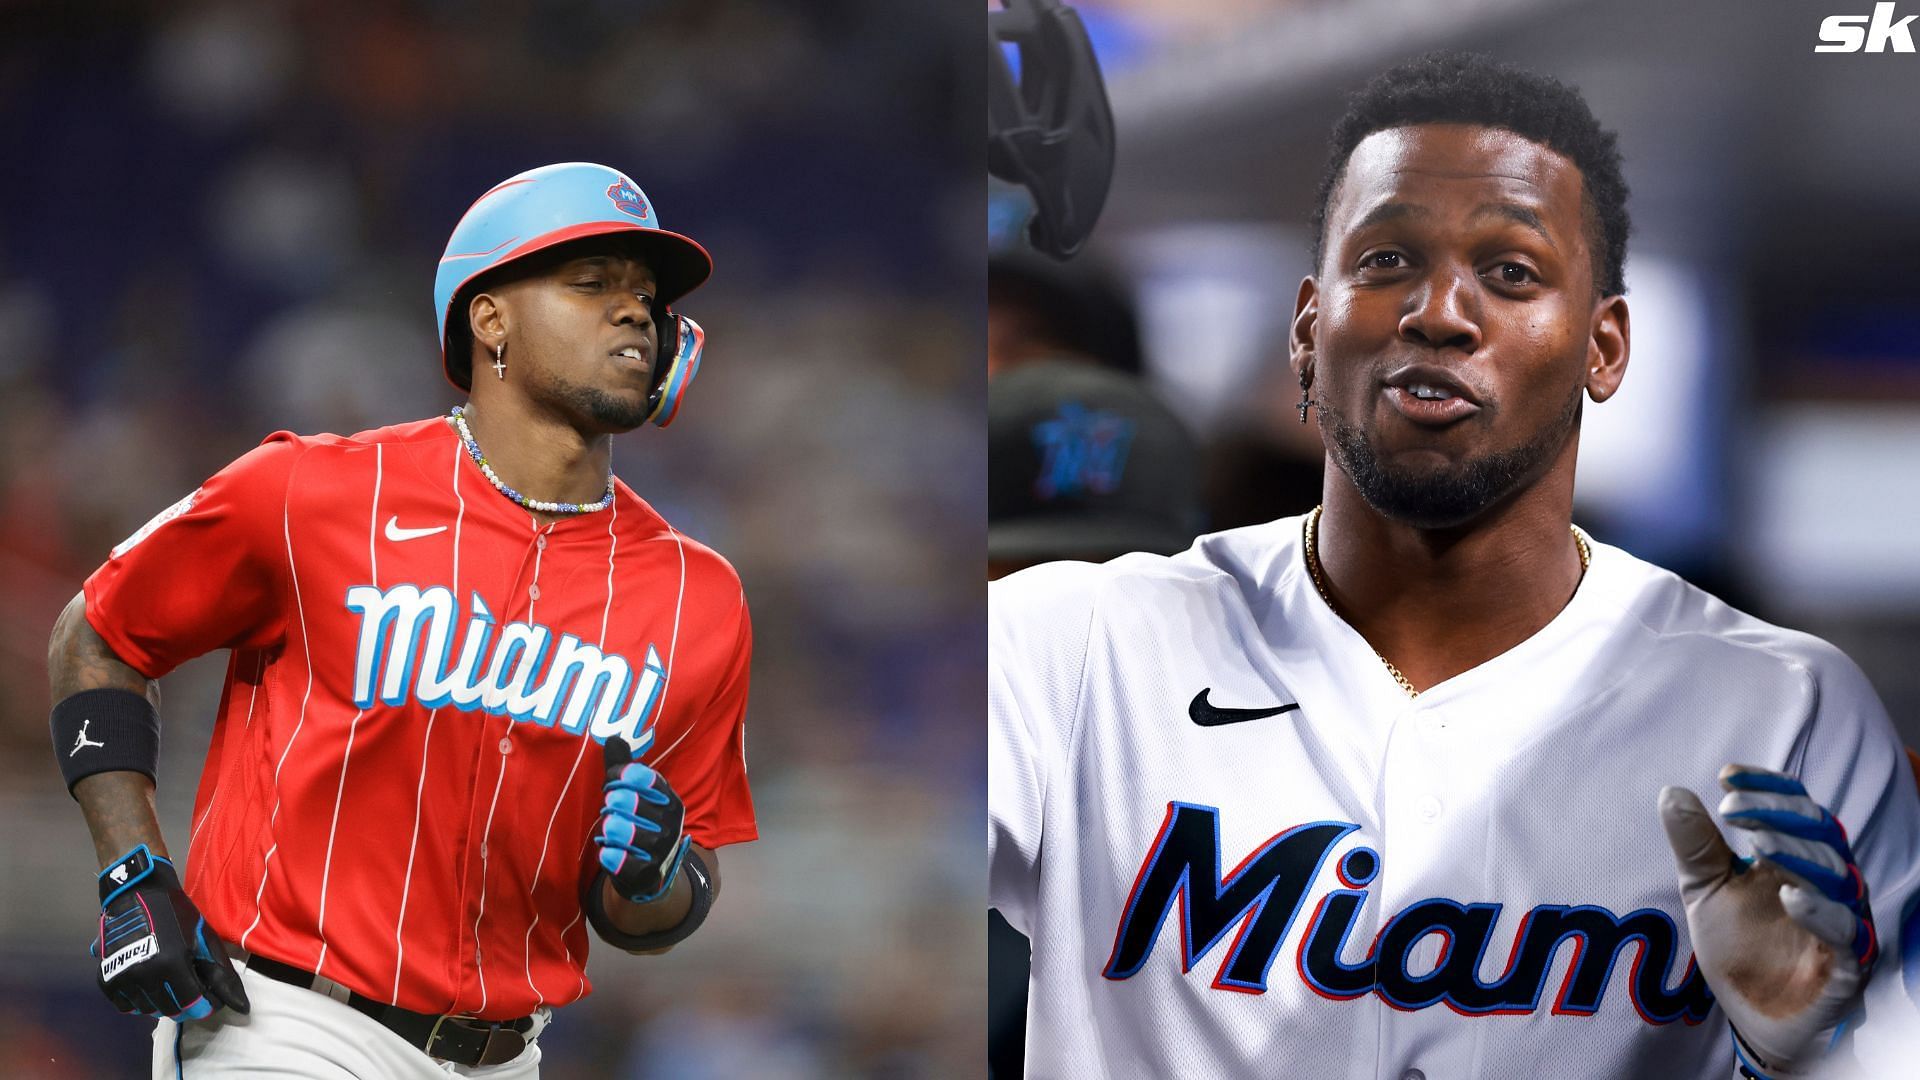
[1265, 894]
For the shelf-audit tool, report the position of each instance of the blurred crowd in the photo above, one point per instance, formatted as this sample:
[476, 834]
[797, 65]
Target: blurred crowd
[222, 220]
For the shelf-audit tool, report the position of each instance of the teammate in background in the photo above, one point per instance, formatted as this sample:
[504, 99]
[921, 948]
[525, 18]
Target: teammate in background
[1083, 462]
[1040, 310]
[1372, 791]
[454, 642]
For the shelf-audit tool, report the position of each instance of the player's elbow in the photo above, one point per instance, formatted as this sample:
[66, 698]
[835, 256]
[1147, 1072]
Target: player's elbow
[78, 658]
[75, 613]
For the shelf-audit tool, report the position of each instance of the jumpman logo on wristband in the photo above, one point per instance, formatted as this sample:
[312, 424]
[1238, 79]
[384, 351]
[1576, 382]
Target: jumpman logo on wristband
[83, 742]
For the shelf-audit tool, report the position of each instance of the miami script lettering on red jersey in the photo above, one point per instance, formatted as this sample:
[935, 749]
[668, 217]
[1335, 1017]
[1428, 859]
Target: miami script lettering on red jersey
[503, 670]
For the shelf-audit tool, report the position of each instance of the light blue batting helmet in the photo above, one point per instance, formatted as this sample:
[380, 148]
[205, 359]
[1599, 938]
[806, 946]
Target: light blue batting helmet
[555, 204]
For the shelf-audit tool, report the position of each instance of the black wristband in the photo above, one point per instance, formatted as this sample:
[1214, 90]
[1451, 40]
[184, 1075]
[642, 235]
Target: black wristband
[97, 731]
[697, 877]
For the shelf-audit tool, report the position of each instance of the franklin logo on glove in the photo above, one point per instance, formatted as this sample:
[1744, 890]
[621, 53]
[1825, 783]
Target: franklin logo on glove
[139, 950]
[158, 959]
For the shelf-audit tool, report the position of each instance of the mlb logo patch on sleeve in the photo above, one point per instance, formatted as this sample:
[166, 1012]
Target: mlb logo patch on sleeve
[158, 520]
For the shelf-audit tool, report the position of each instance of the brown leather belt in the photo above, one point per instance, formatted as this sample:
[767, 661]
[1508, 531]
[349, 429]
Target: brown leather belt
[463, 1040]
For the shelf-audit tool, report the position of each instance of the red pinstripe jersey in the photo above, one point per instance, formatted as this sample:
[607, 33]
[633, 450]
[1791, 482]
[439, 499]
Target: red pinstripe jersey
[407, 761]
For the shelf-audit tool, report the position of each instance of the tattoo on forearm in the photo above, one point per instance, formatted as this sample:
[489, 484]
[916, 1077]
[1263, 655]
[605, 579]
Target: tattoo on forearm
[79, 659]
[118, 805]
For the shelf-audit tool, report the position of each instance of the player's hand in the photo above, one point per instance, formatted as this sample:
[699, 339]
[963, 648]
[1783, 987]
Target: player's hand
[157, 956]
[1786, 940]
[640, 832]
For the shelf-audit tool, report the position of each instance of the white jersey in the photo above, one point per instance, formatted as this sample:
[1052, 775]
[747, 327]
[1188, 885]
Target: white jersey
[1241, 850]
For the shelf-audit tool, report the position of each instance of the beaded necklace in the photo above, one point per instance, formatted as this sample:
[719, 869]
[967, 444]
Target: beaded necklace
[473, 451]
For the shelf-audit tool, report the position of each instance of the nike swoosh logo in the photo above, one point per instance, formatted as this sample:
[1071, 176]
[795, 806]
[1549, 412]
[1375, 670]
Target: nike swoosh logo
[1207, 715]
[395, 532]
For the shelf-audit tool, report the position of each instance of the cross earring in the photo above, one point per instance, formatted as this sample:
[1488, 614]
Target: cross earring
[499, 365]
[1306, 402]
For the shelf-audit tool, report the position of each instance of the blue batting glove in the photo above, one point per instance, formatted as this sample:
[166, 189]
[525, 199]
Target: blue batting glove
[1785, 939]
[641, 829]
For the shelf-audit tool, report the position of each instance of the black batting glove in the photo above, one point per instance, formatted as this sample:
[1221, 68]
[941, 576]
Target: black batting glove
[157, 956]
[640, 833]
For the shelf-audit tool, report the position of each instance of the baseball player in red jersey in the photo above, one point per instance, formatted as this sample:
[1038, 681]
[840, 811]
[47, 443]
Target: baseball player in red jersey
[460, 650]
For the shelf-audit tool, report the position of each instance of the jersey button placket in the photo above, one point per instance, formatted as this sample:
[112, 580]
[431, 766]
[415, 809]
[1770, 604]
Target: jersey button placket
[506, 747]
[1432, 727]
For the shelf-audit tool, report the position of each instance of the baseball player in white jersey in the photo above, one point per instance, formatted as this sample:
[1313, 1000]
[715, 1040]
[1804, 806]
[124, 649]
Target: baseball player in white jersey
[1388, 790]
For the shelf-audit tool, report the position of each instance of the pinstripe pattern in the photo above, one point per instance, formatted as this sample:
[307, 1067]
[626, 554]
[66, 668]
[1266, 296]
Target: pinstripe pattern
[539, 551]
[479, 972]
[606, 611]
[545, 843]
[613, 545]
[340, 791]
[415, 852]
[426, 743]
[259, 667]
[673, 644]
[306, 649]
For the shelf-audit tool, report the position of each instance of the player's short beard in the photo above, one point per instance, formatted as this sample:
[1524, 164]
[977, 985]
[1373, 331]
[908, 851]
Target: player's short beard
[1449, 495]
[606, 410]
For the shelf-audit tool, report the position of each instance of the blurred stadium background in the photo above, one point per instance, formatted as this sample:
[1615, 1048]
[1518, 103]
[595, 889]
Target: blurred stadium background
[220, 218]
[1764, 442]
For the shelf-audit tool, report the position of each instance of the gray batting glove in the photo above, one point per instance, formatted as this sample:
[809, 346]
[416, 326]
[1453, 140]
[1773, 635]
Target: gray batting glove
[1785, 940]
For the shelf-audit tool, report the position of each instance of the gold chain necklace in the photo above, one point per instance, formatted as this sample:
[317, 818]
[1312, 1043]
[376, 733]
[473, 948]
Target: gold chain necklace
[1311, 532]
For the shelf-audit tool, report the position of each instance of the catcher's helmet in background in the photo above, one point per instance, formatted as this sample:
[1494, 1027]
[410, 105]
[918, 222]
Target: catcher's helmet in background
[1049, 129]
[558, 204]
